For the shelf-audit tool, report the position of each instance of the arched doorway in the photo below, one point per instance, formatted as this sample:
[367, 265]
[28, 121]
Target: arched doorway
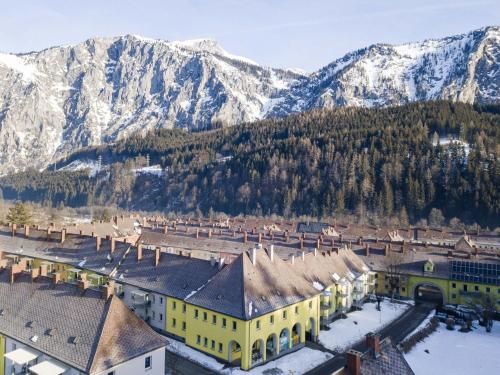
[284, 340]
[271, 345]
[296, 334]
[428, 292]
[234, 350]
[257, 351]
[311, 330]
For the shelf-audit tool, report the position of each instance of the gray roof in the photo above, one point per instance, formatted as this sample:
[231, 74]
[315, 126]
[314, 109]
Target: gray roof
[245, 290]
[175, 276]
[73, 251]
[390, 361]
[59, 313]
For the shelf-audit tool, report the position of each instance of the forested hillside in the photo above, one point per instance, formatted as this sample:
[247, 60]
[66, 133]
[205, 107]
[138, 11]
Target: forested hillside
[378, 163]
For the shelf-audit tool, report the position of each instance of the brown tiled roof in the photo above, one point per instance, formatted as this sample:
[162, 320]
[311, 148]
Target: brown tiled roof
[77, 251]
[59, 313]
[123, 336]
[245, 290]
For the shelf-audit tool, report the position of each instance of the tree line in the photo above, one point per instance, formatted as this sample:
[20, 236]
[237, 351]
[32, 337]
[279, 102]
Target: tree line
[375, 163]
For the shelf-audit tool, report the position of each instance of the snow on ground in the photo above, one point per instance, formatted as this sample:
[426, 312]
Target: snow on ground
[79, 165]
[346, 332]
[456, 353]
[297, 362]
[153, 169]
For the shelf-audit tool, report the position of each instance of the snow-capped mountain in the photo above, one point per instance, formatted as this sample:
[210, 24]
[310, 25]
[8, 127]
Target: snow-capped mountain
[63, 98]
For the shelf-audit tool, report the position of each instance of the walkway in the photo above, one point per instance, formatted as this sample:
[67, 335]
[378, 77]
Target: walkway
[397, 330]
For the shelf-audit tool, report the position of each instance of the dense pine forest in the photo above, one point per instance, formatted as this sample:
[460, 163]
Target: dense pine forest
[375, 163]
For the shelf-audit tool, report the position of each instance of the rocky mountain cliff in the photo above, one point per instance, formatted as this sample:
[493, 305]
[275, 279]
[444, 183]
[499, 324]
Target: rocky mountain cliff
[63, 98]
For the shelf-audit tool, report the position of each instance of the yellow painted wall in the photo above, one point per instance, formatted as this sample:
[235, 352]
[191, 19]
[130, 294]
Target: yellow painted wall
[174, 310]
[2, 353]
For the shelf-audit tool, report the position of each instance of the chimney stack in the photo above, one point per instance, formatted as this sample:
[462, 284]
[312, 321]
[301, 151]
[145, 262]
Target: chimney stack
[113, 245]
[386, 250]
[245, 237]
[260, 238]
[63, 235]
[303, 256]
[354, 362]
[301, 243]
[373, 342]
[165, 229]
[318, 243]
[209, 234]
[83, 283]
[98, 243]
[108, 289]
[157, 256]
[139, 252]
[271, 252]
[367, 249]
[254, 256]
[450, 253]
[293, 260]
[197, 235]
[26, 230]
[13, 228]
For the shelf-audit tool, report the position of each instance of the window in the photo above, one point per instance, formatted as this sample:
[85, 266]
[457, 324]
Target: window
[198, 339]
[205, 342]
[154, 315]
[161, 317]
[174, 322]
[111, 373]
[196, 313]
[453, 285]
[147, 363]
[310, 304]
[183, 308]
[488, 289]
[476, 288]
[183, 326]
[220, 347]
[284, 314]
[453, 296]
[465, 287]
[205, 316]
[214, 319]
[498, 291]
[257, 324]
[234, 325]
[403, 289]
[174, 305]
[212, 345]
[154, 298]
[161, 300]
[296, 309]
[271, 319]
[224, 322]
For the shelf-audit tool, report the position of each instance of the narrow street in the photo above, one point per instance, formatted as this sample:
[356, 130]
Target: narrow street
[397, 330]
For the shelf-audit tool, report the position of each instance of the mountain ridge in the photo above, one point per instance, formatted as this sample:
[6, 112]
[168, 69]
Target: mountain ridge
[62, 98]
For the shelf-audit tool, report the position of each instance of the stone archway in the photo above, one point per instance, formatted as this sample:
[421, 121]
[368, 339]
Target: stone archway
[296, 334]
[234, 352]
[284, 342]
[429, 292]
[258, 355]
[271, 346]
[311, 330]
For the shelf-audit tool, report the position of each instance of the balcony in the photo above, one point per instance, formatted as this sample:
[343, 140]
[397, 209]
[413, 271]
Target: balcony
[326, 306]
[342, 294]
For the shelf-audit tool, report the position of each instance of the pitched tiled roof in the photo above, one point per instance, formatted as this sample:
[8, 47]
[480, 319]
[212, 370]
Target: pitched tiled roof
[123, 336]
[390, 361]
[245, 290]
[57, 314]
[76, 251]
[176, 275]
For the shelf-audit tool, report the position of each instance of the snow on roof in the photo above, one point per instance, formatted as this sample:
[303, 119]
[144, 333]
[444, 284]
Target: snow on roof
[318, 285]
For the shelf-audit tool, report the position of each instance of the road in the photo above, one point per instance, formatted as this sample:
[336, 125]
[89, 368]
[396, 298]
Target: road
[177, 365]
[397, 330]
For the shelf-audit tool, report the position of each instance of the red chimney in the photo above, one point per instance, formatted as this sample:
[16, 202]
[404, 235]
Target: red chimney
[113, 245]
[98, 243]
[26, 230]
[367, 249]
[13, 228]
[139, 252]
[373, 342]
[63, 235]
[245, 237]
[354, 362]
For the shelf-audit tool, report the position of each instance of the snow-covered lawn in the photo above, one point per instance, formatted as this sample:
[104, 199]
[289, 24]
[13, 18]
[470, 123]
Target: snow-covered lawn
[456, 353]
[346, 332]
[297, 362]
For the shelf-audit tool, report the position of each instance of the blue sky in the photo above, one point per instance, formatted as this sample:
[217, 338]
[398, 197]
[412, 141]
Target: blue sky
[283, 33]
